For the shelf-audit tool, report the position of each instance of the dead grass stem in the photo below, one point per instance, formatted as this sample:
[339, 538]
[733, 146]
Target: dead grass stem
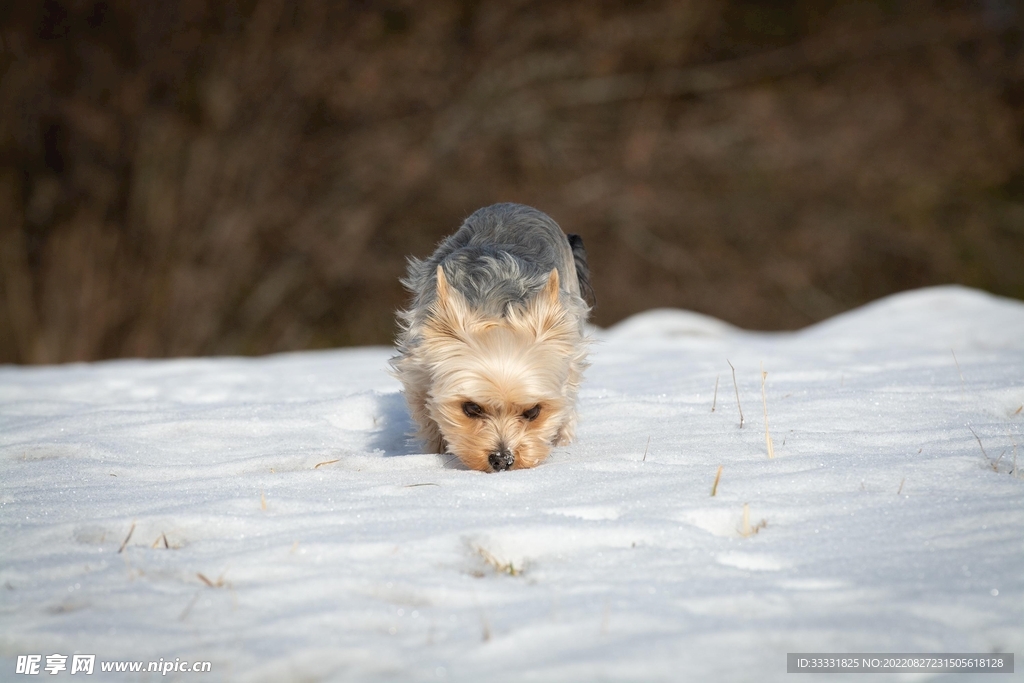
[126, 539]
[718, 476]
[764, 400]
[746, 530]
[736, 387]
[499, 566]
[962, 388]
[326, 462]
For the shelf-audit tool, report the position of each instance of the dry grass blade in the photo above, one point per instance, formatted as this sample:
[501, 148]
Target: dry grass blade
[499, 566]
[219, 583]
[746, 530]
[900, 489]
[126, 539]
[326, 462]
[188, 607]
[993, 463]
[764, 400]
[737, 388]
[718, 475]
[1016, 472]
[263, 501]
[1017, 412]
[714, 401]
[412, 486]
[644, 459]
[978, 439]
[958, 372]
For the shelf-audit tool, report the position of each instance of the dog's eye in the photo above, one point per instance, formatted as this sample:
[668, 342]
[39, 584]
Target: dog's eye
[532, 413]
[472, 409]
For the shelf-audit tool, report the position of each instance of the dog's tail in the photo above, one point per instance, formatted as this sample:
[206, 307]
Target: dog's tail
[579, 256]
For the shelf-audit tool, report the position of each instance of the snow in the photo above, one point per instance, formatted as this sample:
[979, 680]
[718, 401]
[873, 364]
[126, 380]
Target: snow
[337, 551]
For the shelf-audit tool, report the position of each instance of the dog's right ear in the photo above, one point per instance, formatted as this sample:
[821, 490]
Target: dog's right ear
[443, 290]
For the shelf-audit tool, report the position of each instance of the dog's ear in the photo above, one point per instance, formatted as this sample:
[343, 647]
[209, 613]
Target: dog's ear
[546, 314]
[551, 289]
[449, 310]
[443, 290]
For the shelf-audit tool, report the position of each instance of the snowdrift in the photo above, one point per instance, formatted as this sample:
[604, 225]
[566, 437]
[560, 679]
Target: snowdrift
[271, 517]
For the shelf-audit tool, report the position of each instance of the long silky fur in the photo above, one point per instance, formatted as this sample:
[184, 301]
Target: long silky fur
[499, 299]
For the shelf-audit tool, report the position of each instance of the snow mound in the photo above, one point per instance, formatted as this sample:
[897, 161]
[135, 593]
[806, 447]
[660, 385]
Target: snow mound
[936, 317]
[272, 517]
[668, 323]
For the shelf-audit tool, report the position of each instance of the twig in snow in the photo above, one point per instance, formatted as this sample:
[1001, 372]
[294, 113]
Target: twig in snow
[1017, 412]
[900, 489]
[645, 449]
[718, 475]
[714, 401]
[764, 400]
[994, 464]
[737, 388]
[126, 539]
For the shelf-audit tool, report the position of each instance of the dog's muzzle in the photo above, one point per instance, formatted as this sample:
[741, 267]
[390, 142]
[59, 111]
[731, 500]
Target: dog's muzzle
[501, 459]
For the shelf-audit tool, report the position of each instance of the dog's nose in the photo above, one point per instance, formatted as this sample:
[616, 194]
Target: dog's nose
[501, 460]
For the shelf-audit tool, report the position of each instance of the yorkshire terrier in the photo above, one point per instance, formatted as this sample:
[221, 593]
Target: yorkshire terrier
[492, 350]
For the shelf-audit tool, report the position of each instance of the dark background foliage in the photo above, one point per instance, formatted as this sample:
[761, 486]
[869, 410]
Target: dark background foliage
[247, 176]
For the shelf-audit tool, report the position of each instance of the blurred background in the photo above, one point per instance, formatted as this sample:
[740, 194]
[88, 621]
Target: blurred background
[186, 177]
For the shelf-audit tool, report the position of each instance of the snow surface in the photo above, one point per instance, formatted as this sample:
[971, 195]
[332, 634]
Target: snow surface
[338, 552]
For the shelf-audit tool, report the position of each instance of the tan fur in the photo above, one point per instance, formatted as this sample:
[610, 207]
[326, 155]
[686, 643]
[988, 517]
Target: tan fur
[534, 355]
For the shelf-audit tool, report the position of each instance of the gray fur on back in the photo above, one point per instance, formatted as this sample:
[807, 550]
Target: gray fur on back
[500, 257]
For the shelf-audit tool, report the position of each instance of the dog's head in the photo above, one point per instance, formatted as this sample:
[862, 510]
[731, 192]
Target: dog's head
[499, 389]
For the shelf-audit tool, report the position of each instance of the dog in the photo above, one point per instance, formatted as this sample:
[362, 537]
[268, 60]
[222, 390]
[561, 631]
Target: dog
[492, 349]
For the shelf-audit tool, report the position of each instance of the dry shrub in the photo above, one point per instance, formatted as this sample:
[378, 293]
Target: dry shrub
[204, 177]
